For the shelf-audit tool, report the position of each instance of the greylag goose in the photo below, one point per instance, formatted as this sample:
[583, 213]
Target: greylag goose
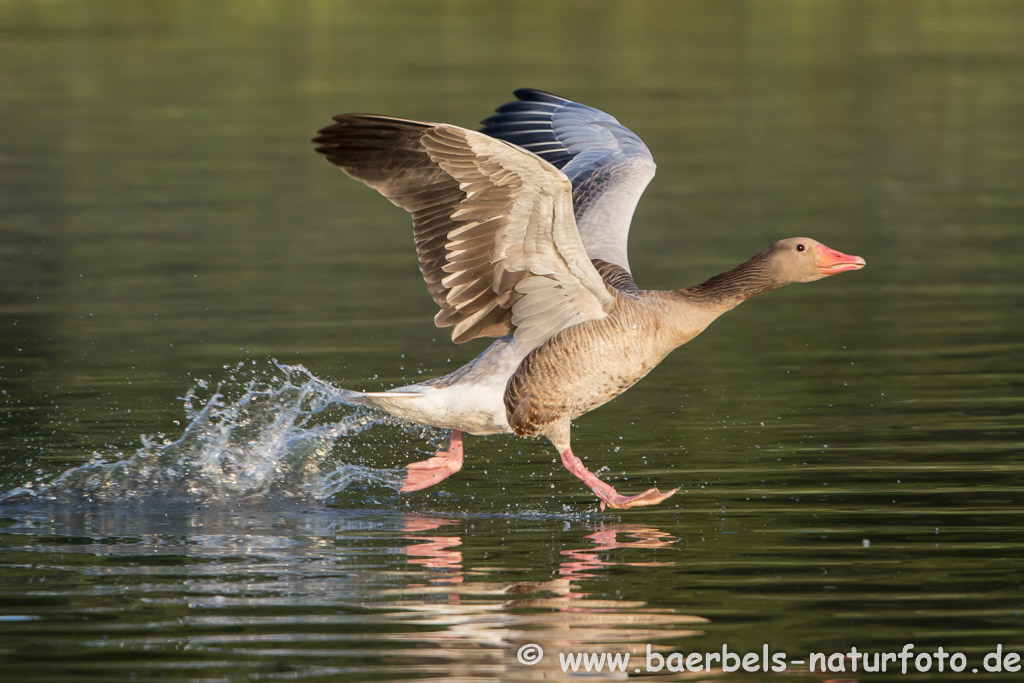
[521, 234]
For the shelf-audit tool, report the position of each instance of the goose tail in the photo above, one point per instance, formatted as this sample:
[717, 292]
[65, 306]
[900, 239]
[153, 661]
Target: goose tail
[401, 404]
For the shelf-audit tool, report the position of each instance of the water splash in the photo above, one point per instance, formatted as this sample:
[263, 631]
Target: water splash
[266, 434]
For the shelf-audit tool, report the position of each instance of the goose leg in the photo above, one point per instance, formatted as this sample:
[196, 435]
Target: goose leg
[428, 472]
[606, 492]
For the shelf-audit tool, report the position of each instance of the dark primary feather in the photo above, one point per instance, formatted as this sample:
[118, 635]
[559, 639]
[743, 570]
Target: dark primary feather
[569, 128]
[608, 165]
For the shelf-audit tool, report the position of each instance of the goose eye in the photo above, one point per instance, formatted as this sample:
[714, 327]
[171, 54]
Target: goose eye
[800, 247]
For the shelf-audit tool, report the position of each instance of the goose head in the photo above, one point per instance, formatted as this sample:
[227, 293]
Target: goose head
[802, 259]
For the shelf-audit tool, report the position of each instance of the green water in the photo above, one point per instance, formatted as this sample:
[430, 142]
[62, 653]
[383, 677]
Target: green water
[849, 451]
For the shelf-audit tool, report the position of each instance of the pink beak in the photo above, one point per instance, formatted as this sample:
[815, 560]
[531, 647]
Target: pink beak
[831, 261]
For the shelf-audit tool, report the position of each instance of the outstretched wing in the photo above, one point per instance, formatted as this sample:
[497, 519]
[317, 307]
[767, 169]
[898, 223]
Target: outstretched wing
[608, 165]
[493, 225]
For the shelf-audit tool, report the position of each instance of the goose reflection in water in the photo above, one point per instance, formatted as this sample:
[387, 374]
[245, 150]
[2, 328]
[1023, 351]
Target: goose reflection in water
[433, 552]
[585, 561]
[555, 614]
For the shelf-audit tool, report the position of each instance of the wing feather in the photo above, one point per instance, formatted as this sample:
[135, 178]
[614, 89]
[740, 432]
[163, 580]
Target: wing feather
[493, 225]
[608, 165]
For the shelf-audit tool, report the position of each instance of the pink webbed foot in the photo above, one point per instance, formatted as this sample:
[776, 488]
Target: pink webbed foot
[425, 473]
[606, 492]
[648, 497]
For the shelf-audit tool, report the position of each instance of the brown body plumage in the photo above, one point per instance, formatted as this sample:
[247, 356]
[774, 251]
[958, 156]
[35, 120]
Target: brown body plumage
[528, 244]
[589, 364]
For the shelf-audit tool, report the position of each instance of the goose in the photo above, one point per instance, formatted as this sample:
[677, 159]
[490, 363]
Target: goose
[520, 232]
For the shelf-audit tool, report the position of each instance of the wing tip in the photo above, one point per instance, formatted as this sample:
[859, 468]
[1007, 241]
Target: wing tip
[537, 95]
[359, 132]
[344, 122]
